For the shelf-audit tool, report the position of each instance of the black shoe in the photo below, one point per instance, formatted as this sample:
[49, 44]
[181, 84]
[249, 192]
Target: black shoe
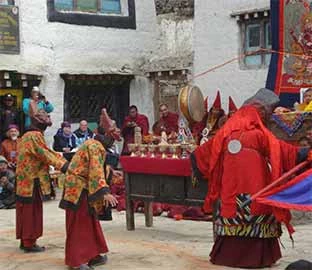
[82, 267]
[98, 260]
[21, 246]
[33, 249]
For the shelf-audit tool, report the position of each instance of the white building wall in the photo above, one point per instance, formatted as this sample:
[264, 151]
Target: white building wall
[217, 40]
[51, 48]
[174, 44]
[142, 97]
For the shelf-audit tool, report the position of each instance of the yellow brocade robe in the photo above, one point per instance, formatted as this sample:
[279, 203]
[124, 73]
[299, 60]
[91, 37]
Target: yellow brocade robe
[86, 173]
[34, 158]
[308, 108]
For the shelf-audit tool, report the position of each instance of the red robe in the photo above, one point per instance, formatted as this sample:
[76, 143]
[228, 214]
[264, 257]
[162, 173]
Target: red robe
[33, 183]
[85, 239]
[84, 187]
[28, 230]
[128, 132]
[245, 172]
[168, 124]
[211, 157]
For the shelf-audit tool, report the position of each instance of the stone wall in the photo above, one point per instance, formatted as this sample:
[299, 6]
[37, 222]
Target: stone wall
[184, 8]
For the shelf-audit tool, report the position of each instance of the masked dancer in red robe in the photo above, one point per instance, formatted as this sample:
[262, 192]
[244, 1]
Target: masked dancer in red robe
[241, 159]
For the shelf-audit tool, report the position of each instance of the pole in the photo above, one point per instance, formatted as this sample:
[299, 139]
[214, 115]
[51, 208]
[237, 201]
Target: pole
[280, 180]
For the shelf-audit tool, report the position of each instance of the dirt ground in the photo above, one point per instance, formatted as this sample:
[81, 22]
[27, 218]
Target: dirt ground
[169, 244]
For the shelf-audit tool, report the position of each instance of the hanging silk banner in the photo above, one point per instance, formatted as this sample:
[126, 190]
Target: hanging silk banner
[290, 68]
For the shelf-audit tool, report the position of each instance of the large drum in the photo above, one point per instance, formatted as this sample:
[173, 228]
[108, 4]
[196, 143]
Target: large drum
[191, 103]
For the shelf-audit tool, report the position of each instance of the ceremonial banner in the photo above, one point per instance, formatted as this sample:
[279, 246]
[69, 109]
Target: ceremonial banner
[295, 194]
[9, 30]
[291, 63]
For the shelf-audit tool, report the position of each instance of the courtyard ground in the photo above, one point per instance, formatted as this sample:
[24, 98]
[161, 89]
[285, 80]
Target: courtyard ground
[169, 244]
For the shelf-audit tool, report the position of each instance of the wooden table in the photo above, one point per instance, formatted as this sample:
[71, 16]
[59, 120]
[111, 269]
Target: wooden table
[159, 180]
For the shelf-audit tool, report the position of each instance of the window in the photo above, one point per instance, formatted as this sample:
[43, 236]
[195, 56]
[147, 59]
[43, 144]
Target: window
[106, 13]
[255, 34]
[85, 96]
[7, 2]
[90, 6]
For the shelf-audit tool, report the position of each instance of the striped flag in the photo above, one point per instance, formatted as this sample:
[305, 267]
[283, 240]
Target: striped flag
[295, 194]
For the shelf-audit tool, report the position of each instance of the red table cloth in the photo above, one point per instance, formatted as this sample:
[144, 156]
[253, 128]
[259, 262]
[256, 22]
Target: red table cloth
[161, 166]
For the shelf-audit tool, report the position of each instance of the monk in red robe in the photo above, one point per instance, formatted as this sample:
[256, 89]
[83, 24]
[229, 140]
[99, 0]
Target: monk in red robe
[33, 181]
[167, 122]
[241, 159]
[134, 119]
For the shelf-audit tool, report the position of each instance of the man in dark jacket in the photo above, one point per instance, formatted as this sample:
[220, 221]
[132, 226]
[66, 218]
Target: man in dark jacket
[83, 133]
[9, 114]
[64, 139]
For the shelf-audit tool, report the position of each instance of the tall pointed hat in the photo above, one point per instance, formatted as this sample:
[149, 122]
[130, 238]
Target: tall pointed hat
[217, 101]
[232, 106]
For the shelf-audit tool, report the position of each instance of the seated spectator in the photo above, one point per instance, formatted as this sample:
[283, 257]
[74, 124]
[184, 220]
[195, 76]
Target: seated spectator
[65, 140]
[167, 122]
[7, 183]
[304, 142]
[308, 134]
[133, 120]
[9, 146]
[83, 133]
[307, 98]
[36, 102]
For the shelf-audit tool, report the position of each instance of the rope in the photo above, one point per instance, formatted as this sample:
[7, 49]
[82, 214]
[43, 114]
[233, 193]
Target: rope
[260, 51]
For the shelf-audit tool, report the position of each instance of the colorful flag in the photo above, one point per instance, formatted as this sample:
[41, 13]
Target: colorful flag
[295, 194]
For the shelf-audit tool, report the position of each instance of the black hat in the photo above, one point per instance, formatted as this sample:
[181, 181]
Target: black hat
[8, 97]
[265, 97]
[300, 265]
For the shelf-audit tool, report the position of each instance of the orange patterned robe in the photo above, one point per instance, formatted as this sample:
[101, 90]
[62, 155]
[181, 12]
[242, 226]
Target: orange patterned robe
[86, 174]
[33, 162]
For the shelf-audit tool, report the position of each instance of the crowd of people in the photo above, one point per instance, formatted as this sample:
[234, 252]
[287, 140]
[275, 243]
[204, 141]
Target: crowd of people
[238, 156]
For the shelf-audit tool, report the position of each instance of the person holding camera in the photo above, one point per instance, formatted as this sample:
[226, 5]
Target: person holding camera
[36, 102]
[7, 180]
